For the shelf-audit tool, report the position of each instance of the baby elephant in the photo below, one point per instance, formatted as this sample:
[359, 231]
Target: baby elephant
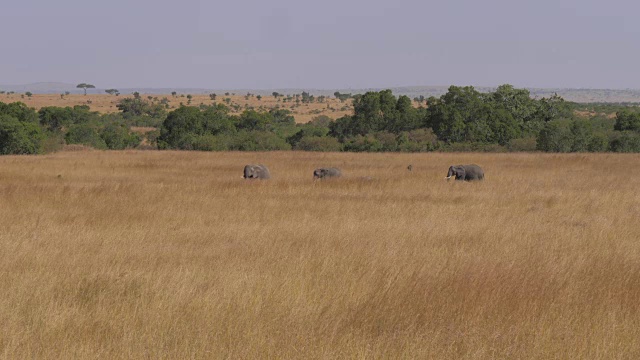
[466, 172]
[256, 172]
[322, 173]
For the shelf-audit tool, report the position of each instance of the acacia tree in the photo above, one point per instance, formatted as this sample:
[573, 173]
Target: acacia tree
[112, 91]
[85, 87]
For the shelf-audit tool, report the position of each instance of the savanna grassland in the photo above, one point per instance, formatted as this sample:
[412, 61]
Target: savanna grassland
[106, 104]
[172, 255]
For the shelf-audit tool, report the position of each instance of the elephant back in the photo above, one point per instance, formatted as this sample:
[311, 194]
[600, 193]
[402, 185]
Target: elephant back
[256, 171]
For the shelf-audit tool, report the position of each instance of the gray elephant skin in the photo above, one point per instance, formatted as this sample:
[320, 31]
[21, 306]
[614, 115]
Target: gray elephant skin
[466, 172]
[324, 173]
[256, 172]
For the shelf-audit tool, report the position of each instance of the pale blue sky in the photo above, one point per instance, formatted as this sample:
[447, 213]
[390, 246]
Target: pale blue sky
[321, 44]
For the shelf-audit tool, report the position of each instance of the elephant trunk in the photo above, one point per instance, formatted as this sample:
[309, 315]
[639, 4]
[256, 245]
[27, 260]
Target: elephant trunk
[450, 173]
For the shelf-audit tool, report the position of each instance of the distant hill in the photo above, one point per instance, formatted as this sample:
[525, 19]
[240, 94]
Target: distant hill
[577, 95]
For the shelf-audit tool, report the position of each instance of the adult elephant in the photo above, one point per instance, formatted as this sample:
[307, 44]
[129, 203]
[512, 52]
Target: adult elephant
[466, 172]
[256, 172]
[323, 173]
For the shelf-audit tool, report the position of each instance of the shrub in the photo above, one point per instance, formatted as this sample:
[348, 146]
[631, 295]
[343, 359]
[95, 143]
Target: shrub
[599, 143]
[258, 141]
[85, 134]
[363, 143]
[627, 120]
[419, 140]
[387, 141]
[210, 142]
[554, 137]
[321, 120]
[118, 137]
[473, 147]
[52, 142]
[18, 137]
[625, 142]
[318, 143]
[526, 144]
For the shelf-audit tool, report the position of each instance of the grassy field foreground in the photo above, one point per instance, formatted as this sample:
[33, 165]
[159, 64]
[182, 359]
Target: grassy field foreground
[172, 255]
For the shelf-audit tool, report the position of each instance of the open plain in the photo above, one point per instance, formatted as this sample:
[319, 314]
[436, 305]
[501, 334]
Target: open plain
[106, 104]
[172, 255]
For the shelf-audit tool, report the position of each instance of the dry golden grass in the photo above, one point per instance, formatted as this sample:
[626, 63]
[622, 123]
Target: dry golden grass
[172, 255]
[105, 103]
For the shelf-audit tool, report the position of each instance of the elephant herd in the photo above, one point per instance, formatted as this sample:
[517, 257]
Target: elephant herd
[460, 172]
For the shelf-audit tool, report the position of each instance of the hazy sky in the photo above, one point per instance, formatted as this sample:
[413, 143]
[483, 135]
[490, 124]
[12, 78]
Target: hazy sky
[321, 44]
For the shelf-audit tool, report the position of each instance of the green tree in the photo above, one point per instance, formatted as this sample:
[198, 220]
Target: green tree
[54, 118]
[258, 141]
[85, 134]
[419, 140]
[450, 115]
[582, 135]
[253, 120]
[85, 86]
[318, 143]
[625, 142]
[118, 136]
[18, 137]
[112, 91]
[627, 120]
[184, 127]
[139, 107]
[555, 136]
[20, 111]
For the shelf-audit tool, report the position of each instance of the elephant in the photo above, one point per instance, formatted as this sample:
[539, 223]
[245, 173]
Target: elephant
[466, 172]
[256, 172]
[322, 173]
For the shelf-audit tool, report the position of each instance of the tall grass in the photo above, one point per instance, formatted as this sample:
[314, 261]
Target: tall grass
[172, 255]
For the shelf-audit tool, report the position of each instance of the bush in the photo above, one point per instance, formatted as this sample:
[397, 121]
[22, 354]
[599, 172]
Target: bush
[599, 143]
[363, 143]
[627, 120]
[118, 137]
[554, 137]
[152, 137]
[420, 140]
[625, 142]
[210, 142]
[473, 147]
[136, 106]
[387, 141]
[85, 134]
[184, 124]
[318, 143]
[526, 144]
[54, 118]
[20, 112]
[322, 121]
[52, 142]
[258, 141]
[18, 137]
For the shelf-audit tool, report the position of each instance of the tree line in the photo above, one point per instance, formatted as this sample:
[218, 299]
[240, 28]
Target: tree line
[463, 119]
